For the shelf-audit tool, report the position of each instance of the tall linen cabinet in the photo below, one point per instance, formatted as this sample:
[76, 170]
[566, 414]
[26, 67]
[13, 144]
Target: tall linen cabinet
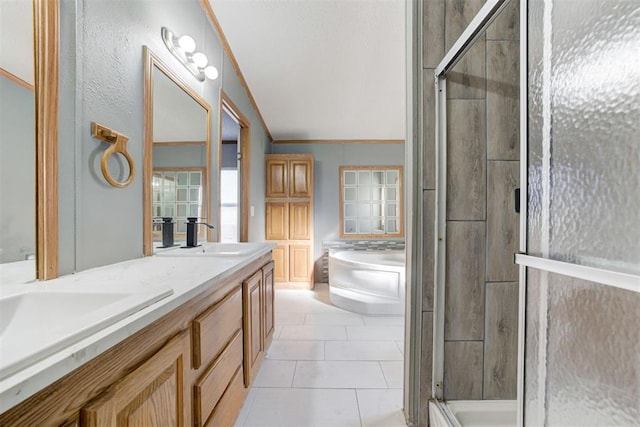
[289, 218]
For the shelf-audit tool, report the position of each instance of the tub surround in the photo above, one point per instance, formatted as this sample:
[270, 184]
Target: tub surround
[192, 279]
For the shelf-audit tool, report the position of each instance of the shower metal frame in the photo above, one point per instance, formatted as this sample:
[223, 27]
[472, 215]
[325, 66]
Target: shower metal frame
[469, 36]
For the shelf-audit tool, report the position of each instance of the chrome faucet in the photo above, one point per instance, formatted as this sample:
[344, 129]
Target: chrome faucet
[192, 231]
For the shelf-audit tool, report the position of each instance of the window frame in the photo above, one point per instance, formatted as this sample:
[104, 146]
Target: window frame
[400, 199]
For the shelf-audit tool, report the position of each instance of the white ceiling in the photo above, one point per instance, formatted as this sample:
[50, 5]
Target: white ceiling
[321, 69]
[16, 38]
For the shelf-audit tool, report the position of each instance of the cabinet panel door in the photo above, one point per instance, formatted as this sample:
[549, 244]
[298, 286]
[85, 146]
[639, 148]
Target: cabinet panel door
[277, 226]
[300, 178]
[299, 263]
[268, 300]
[276, 178]
[153, 394]
[300, 221]
[281, 260]
[253, 344]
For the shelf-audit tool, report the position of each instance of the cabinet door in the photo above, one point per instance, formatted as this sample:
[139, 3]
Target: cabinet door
[276, 178]
[277, 221]
[153, 394]
[267, 303]
[300, 221]
[300, 178]
[299, 263]
[281, 263]
[253, 344]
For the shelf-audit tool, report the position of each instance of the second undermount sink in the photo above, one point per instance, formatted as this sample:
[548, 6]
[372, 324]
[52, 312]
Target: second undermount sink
[37, 321]
[213, 249]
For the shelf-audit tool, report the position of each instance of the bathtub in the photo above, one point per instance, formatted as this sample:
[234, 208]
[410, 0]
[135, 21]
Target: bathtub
[367, 282]
[473, 413]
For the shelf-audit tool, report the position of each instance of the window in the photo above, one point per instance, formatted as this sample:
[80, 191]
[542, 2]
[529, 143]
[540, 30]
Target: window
[177, 193]
[371, 201]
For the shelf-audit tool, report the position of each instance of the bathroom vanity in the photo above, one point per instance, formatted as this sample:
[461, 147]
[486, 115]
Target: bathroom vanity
[185, 360]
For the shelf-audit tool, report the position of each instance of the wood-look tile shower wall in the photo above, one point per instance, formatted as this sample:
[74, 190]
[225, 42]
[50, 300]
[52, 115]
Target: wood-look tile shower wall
[482, 227]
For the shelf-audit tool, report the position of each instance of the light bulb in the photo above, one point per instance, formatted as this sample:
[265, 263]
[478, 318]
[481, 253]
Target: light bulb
[211, 72]
[187, 43]
[200, 59]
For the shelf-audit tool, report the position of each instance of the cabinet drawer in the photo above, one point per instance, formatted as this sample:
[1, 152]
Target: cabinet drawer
[213, 328]
[210, 387]
[229, 406]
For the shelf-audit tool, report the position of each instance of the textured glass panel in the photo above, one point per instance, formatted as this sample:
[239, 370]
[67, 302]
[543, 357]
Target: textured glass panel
[194, 194]
[377, 193]
[595, 168]
[364, 193]
[182, 195]
[169, 210]
[194, 210]
[377, 225]
[350, 194]
[393, 226]
[392, 194]
[364, 210]
[392, 177]
[376, 210]
[364, 177]
[593, 355]
[157, 210]
[181, 226]
[181, 210]
[350, 226]
[378, 178]
[350, 210]
[349, 178]
[364, 226]
[195, 178]
[392, 209]
[183, 178]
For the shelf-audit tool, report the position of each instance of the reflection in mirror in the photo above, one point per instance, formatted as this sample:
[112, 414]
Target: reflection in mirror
[179, 139]
[17, 145]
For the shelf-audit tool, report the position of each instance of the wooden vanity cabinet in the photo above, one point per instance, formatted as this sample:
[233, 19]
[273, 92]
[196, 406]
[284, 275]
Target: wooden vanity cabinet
[151, 395]
[185, 369]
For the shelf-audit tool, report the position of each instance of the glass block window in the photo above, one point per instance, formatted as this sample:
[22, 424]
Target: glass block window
[371, 201]
[178, 194]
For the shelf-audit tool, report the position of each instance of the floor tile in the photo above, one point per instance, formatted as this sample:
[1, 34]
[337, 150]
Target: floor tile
[275, 373]
[277, 332]
[362, 350]
[312, 332]
[381, 408]
[400, 345]
[384, 320]
[246, 406]
[289, 318]
[296, 350]
[393, 373]
[338, 374]
[375, 333]
[333, 319]
[303, 408]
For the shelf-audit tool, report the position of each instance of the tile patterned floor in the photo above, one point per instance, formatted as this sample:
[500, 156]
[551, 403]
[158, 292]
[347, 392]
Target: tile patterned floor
[328, 367]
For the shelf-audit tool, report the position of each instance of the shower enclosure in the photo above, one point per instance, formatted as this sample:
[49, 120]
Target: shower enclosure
[552, 108]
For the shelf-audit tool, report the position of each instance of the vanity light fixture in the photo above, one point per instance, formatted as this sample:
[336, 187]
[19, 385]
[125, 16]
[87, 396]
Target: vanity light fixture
[183, 48]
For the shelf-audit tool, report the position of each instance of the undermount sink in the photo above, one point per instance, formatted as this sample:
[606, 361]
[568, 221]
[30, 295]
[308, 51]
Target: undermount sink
[213, 249]
[39, 321]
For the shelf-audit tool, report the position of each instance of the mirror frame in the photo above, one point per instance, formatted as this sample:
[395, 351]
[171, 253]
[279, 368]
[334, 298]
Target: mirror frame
[46, 67]
[151, 60]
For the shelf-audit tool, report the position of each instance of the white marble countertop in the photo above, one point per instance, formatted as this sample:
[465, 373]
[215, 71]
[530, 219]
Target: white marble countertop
[186, 276]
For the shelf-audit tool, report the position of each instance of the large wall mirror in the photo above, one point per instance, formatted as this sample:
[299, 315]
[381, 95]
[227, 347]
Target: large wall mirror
[28, 140]
[177, 156]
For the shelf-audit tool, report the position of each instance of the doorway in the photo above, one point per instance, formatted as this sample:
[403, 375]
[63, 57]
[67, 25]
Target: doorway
[234, 174]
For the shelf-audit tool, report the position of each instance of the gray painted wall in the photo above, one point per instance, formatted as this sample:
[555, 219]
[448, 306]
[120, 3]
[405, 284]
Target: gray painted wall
[17, 174]
[102, 80]
[229, 156]
[327, 160]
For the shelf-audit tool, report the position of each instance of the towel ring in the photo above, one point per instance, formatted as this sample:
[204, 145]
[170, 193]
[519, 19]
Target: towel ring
[118, 143]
